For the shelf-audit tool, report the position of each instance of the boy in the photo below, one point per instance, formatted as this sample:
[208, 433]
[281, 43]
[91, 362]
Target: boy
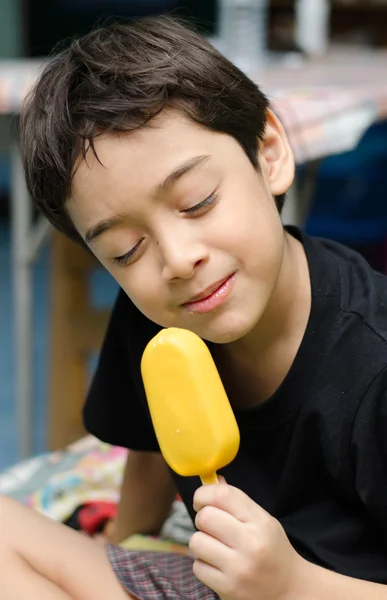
[145, 144]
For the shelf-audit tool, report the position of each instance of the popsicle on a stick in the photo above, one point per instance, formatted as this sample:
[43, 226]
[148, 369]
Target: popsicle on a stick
[192, 417]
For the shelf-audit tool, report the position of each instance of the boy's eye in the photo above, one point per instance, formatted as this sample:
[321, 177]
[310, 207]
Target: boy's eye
[129, 256]
[201, 206]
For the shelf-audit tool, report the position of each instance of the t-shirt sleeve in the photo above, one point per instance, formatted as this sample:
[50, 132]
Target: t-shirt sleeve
[369, 452]
[116, 410]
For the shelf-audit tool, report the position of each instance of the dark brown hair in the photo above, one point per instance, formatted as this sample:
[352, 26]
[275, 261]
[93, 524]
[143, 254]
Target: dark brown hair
[118, 77]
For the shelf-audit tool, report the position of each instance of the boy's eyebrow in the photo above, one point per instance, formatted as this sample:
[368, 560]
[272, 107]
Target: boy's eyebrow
[106, 224]
[181, 170]
[96, 230]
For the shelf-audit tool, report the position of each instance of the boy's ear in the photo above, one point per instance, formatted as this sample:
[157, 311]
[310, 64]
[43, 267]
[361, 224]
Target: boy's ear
[276, 156]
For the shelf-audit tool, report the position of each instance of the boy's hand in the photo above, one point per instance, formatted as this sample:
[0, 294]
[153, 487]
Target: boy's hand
[242, 553]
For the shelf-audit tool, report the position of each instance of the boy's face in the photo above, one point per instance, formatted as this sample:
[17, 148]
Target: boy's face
[185, 224]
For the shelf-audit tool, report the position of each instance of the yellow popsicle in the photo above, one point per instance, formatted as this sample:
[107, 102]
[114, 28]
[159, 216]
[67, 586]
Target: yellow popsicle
[192, 417]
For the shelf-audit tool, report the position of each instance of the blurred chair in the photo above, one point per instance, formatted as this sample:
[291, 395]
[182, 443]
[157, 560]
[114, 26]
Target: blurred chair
[349, 201]
[76, 332]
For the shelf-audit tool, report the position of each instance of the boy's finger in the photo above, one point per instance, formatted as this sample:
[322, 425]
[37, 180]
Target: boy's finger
[221, 526]
[210, 550]
[229, 499]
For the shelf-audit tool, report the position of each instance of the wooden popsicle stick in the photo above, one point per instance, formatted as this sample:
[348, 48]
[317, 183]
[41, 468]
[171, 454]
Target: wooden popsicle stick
[209, 479]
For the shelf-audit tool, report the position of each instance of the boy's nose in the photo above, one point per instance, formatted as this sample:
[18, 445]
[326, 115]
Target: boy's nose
[181, 259]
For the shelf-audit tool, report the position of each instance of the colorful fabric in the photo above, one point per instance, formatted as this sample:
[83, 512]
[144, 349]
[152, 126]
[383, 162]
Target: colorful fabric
[93, 516]
[157, 576]
[55, 484]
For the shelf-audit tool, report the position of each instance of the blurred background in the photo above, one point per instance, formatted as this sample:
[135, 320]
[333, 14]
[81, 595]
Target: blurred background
[322, 63]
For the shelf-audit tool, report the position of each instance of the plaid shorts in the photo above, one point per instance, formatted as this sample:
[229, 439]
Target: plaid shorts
[157, 575]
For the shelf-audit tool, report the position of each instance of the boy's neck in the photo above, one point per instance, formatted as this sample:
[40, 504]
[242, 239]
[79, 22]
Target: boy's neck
[254, 367]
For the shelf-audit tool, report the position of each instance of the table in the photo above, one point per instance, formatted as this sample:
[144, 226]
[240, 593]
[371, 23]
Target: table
[325, 106]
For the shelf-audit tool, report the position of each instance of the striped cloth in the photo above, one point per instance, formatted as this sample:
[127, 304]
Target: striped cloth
[157, 575]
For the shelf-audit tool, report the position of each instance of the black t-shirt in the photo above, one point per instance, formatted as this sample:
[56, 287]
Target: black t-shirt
[315, 454]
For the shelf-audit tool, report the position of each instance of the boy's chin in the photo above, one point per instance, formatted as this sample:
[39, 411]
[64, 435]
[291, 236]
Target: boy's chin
[218, 333]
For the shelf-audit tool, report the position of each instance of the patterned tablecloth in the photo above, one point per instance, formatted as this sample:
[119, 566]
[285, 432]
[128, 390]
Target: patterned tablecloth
[324, 105]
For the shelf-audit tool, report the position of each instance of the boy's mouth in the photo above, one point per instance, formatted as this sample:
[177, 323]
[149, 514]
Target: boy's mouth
[211, 297]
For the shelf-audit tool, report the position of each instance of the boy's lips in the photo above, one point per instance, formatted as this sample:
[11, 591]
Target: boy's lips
[211, 297]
